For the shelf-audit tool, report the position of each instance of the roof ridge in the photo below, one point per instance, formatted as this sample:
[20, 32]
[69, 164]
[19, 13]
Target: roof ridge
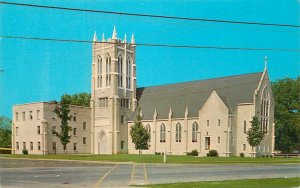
[208, 79]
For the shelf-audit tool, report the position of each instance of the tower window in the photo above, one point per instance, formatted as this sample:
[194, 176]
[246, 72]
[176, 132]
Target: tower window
[84, 140]
[103, 102]
[30, 115]
[17, 116]
[120, 71]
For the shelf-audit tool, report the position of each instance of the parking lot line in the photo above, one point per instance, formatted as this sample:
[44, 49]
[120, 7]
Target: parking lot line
[105, 175]
[132, 175]
[34, 182]
[145, 174]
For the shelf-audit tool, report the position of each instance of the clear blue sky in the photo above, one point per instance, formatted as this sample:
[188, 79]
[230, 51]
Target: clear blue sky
[43, 71]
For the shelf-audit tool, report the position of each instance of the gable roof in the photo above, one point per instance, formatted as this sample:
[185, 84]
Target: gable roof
[232, 91]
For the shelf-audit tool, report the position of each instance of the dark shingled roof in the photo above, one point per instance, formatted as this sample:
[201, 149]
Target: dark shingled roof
[232, 91]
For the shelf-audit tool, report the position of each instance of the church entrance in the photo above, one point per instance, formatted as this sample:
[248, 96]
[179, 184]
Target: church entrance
[102, 142]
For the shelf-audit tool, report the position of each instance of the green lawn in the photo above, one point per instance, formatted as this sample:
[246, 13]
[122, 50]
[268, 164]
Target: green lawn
[248, 183]
[159, 159]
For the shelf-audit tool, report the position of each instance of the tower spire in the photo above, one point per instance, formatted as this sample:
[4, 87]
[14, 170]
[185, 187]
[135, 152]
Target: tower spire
[103, 38]
[95, 37]
[132, 39]
[114, 35]
[266, 62]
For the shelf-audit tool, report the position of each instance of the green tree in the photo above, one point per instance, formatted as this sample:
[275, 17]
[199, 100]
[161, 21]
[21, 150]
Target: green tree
[255, 134]
[80, 99]
[62, 111]
[287, 117]
[139, 135]
[5, 132]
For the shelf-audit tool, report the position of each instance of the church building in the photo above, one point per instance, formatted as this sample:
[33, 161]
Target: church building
[204, 115]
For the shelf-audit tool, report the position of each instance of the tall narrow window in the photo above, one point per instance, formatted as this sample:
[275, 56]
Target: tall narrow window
[99, 72]
[120, 70]
[128, 73]
[17, 116]
[74, 131]
[219, 122]
[38, 114]
[108, 69]
[178, 132]
[148, 128]
[244, 147]
[207, 123]
[30, 115]
[24, 145]
[245, 127]
[17, 131]
[39, 146]
[38, 129]
[23, 116]
[122, 144]
[53, 129]
[84, 125]
[74, 146]
[195, 128]
[17, 146]
[84, 140]
[265, 104]
[31, 145]
[162, 133]
[219, 140]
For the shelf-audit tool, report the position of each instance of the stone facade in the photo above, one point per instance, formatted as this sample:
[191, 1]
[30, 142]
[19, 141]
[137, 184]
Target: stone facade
[202, 115]
[33, 126]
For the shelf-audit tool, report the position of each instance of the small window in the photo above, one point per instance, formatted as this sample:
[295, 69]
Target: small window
[74, 131]
[31, 145]
[122, 119]
[84, 125]
[30, 115]
[39, 146]
[54, 146]
[23, 116]
[244, 147]
[75, 146]
[219, 140]
[17, 131]
[219, 122]
[53, 129]
[84, 140]
[103, 102]
[24, 145]
[38, 114]
[74, 118]
[17, 146]
[38, 129]
[245, 127]
[122, 144]
[17, 116]
[207, 123]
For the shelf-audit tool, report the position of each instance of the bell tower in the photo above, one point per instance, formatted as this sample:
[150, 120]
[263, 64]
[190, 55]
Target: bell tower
[113, 93]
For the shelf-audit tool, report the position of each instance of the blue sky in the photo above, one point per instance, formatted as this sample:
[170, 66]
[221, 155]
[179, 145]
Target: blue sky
[43, 71]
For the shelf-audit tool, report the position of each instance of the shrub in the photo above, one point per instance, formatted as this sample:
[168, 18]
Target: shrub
[157, 153]
[193, 153]
[213, 153]
[25, 151]
[242, 154]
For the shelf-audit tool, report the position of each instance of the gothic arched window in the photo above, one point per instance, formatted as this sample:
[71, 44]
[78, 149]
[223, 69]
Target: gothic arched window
[120, 70]
[148, 128]
[178, 132]
[264, 113]
[128, 73]
[162, 133]
[108, 70]
[99, 72]
[245, 127]
[195, 128]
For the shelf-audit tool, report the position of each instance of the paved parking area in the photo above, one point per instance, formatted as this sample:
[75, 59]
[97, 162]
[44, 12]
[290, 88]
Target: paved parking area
[50, 173]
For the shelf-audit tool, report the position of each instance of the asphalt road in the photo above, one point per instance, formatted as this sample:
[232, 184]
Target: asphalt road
[50, 173]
